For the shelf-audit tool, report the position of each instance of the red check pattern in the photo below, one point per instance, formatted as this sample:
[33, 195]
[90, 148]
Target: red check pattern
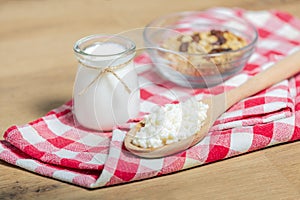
[56, 146]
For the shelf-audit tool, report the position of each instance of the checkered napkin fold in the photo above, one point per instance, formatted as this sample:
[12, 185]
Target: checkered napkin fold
[55, 146]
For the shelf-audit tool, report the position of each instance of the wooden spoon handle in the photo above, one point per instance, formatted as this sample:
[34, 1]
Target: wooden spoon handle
[280, 71]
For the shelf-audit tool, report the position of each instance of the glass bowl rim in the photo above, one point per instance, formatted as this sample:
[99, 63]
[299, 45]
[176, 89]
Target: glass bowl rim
[250, 45]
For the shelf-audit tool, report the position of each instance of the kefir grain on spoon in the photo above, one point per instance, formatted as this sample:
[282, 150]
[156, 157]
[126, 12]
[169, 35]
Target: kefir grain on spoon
[171, 123]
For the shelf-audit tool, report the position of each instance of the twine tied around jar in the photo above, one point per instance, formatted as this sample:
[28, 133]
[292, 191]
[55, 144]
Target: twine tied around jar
[103, 72]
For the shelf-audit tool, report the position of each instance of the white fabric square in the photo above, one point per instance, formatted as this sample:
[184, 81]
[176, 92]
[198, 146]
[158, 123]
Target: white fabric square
[237, 80]
[30, 135]
[254, 57]
[269, 107]
[27, 164]
[205, 140]
[92, 140]
[258, 18]
[278, 93]
[241, 142]
[155, 164]
[269, 44]
[189, 162]
[231, 114]
[118, 135]
[64, 175]
[288, 120]
[56, 126]
[63, 153]
[288, 32]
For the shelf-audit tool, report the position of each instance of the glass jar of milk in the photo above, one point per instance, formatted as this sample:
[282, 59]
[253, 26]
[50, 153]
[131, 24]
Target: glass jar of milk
[106, 91]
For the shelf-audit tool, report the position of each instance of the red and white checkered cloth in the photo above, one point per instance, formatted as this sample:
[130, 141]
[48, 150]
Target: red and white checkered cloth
[55, 146]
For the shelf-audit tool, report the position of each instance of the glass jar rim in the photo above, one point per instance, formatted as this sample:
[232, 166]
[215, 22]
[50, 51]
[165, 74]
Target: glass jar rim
[81, 51]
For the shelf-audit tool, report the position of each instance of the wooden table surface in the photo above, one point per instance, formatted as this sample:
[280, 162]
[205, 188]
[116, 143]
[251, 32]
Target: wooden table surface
[37, 72]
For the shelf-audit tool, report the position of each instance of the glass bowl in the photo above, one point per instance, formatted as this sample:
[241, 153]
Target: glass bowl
[199, 65]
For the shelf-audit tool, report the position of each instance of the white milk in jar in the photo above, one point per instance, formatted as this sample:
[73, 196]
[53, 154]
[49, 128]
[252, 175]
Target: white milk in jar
[106, 91]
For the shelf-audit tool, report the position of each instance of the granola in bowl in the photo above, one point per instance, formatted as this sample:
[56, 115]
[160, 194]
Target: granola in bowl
[199, 49]
[201, 43]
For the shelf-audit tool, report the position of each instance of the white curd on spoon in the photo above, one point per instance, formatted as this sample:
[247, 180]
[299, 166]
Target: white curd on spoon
[171, 123]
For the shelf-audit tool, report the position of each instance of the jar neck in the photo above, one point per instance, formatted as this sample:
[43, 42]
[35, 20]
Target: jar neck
[95, 62]
[104, 50]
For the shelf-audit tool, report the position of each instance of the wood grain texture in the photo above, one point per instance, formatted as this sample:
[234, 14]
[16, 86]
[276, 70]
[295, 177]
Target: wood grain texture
[37, 72]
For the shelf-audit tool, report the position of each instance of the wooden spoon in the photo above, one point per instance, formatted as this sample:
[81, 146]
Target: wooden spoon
[282, 70]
